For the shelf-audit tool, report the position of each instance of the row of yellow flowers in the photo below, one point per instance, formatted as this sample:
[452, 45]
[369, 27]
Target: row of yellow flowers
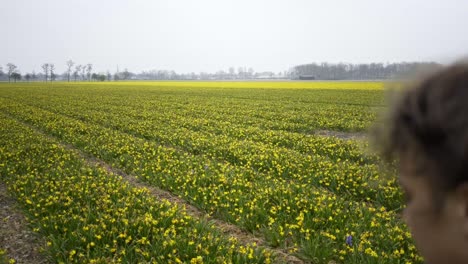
[88, 215]
[273, 152]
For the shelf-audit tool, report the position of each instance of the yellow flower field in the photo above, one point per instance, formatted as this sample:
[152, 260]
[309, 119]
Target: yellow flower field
[285, 161]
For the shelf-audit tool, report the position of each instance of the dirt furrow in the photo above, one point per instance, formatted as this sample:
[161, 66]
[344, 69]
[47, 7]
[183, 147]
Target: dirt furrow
[20, 243]
[343, 135]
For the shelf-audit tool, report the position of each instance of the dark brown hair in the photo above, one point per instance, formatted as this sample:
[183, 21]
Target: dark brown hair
[430, 120]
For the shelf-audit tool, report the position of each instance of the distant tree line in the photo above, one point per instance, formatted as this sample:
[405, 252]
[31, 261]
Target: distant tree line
[12, 72]
[313, 71]
[242, 73]
[83, 72]
[347, 71]
[48, 74]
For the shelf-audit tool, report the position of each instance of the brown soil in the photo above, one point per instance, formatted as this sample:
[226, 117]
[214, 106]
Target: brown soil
[20, 243]
[342, 135]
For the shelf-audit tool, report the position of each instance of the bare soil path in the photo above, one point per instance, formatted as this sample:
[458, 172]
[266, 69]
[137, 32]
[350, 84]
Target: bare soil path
[20, 243]
[343, 135]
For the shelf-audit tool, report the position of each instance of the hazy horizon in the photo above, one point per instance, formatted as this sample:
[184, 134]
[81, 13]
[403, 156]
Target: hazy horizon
[207, 36]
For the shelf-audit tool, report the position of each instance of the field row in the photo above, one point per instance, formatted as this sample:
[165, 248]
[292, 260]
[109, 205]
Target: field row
[297, 211]
[272, 153]
[275, 109]
[163, 116]
[88, 215]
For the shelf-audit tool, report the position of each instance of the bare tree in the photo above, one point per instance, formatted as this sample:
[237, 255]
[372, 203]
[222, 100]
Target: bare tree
[240, 72]
[45, 68]
[27, 77]
[251, 72]
[16, 76]
[11, 68]
[70, 64]
[126, 74]
[89, 68]
[83, 69]
[232, 73]
[76, 73]
[1, 71]
[52, 72]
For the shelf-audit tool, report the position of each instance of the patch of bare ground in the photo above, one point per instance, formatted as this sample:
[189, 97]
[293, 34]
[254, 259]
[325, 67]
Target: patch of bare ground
[20, 243]
[342, 135]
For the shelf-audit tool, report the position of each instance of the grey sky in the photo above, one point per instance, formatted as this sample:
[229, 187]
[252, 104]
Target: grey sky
[209, 35]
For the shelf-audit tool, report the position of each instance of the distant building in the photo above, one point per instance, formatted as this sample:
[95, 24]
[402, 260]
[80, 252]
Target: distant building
[306, 77]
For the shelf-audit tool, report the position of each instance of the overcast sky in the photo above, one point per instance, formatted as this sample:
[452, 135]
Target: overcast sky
[211, 35]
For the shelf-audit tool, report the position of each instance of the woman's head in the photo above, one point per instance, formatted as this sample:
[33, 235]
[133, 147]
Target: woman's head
[427, 132]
